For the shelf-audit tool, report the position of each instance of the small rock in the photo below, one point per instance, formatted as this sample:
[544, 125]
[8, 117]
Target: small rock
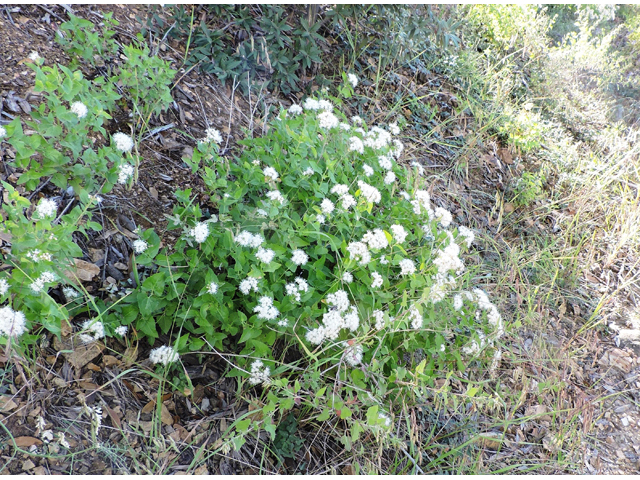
[625, 421]
[621, 409]
[28, 465]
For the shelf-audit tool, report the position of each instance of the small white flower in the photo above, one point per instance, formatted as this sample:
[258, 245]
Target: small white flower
[385, 162]
[92, 330]
[270, 173]
[356, 120]
[353, 80]
[444, 216]
[36, 255]
[125, 172]
[368, 171]
[247, 239]
[12, 323]
[370, 193]
[139, 246]
[299, 257]
[265, 255]
[283, 323]
[385, 417]
[259, 373]
[316, 336]
[212, 135]
[34, 57]
[276, 196]
[80, 109]
[353, 354]
[399, 233]
[327, 206]
[212, 288]
[376, 239]
[383, 260]
[123, 142]
[121, 330]
[46, 208]
[70, 293]
[261, 212]
[405, 195]
[457, 302]
[419, 167]
[339, 299]
[320, 219]
[248, 284]
[467, 234]
[389, 178]
[359, 252]
[294, 110]
[377, 280]
[327, 120]
[164, 355]
[415, 318]
[340, 189]
[4, 286]
[378, 315]
[308, 171]
[265, 309]
[325, 105]
[344, 126]
[3, 132]
[394, 129]
[407, 267]
[348, 201]
[200, 232]
[347, 277]
[356, 145]
[311, 104]
[39, 284]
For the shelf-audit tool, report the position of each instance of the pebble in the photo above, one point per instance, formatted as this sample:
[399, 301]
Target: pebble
[621, 409]
[625, 421]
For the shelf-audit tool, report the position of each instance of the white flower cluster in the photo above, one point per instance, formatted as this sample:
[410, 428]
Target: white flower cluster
[327, 120]
[296, 288]
[313, 104]
[212, 288]
[340, 189]
[407, 267]
[448, 259]
[359, 252]
[299, 257]
[419, 167]
[125, 172]
[248, 284]
[376, 239]
[259, 373]
[276, 196]
[377, 280]
[352, 354]
[347, 277]
[39, 284]
[121, 330]
[356, 120]
[3, 131]
[92, 330]
[308, 171]
[164, 355]
[422, 200]
[378, 316]
[443, 216]
[368, 171]
[248, 239]
[4, 286]
[415, 318]
[12, 323]
[356, 145]
[353, 80]
[394, 128]
[265, 309]
[46, 208]
[212, 135]
[493, 315]
[123, 142]
[377, 138]
[372, 194]
[320, 219]
[139, 246]
[270, 173]
[200, 232]
[389, 178]
[265, 255]
[399, 233]
[70, 293]
[385, 162]
[344, 126]
[36, 255]
[294, 110]
[467, 234]
[80, 109]
[475, 347]
[327, 207]
[341, 315]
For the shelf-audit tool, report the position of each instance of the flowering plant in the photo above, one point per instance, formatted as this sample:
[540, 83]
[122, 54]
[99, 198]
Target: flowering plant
[322, 240]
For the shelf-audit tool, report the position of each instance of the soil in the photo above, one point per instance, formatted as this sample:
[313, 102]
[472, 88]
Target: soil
[71, 380]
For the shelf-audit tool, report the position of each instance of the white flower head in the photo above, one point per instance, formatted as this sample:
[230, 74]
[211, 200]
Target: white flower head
[270, 173]
[212, 288]
[34, 56]
[212, 135]
[311, 104]
[70, 293]
[80, 109]
[359, 252]
[4, 286]
[248, 284]
[164, 355]
[44, 278]
[340, 189]
[125, 172]
[394, 129]
[344, 126]
[299, 257]
[3, 132]
[385, 162]
[368, 171]
[356, 120]
[457, 302]
[92, 330]
[339, 299]
[444, 216]
[347, 277]
[260, 373]
[325, 105]
[200, 232]
[399, 233]
[370, 193]
[276, 196]
[294, 110]
[12, 323]
[265, 309]
[377, 280]
[467, 234]
[352, 354]
[265, 255]
[308, 171]
[389, 178]
[320, 219]
[121, 330]
[353, 80]
[315, 336]
[123, 142]
[327, 120]
[419, 167]
[415, 318]
[376, 239]
[46, 208]
[407, 267]
[139, 246]
[248, 239]
[356, 145]
[348, 201]
[327, 206]
[378, 316]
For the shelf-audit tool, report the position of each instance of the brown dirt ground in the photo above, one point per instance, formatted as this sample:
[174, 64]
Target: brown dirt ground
[601, 379]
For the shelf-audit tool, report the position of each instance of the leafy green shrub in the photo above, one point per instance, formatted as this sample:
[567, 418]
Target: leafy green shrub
[81, 39]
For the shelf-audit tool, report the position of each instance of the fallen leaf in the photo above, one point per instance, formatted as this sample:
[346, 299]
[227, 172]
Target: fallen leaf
[77, 354]
[165, 415]
[27, 441]
[491, 440]
[509, 208]
[7, 404]
[110, 360]
[506, 156]
[28, 465]
[202, 470]
[83, 270]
